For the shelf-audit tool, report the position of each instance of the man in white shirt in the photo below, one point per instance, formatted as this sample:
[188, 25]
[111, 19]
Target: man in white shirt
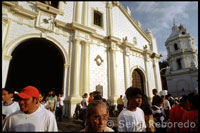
[131, 119]
[30, 117]
[8, 105]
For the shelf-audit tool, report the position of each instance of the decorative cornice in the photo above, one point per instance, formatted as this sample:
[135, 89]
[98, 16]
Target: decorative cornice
[81, 27]
[20, 10]
[177, 38]
[59, 23]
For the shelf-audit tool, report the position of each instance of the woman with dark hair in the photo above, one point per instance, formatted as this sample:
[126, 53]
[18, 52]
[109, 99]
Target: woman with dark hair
[148, 115]
[52, 99]
[97, 117]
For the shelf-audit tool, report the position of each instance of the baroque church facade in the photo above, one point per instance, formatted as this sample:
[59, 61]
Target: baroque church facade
[77, 48]
[182, 73]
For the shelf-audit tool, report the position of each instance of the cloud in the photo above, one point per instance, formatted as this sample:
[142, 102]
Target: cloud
[162, 13]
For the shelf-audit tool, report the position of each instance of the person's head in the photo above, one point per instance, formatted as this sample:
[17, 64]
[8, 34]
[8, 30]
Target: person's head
[134, 96]
[91, 94]
[120, 96]
[163, 97]
[28, 99]
[98, 93]
[158, 101]
[98, 97]
[184, 102]
[7, 94]
[41, 96]
[154, 92]
[61, 94]
[97, 116]
[85, 95]
[167, 96]
[51, 92]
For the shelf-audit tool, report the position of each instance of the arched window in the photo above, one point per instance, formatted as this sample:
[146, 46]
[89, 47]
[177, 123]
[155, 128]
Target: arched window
[137, 80]
[175, 46]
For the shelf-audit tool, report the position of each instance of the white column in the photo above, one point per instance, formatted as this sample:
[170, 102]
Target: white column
[78, 12]
[5, 67]
[85, 68]
[75, 78]
[75, 69]
[113, 74]
[109, 19]
[65, 81]
[147, 82]
[127, 68]
[155, 75]
[65, 87]
[85, 14]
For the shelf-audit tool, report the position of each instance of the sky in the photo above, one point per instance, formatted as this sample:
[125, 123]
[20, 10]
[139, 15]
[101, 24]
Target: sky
[159, 18]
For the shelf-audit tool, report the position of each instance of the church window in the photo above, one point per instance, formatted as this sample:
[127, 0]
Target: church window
[98, 20]
[175, 46]
[137, 80]
[179, 66]
[51, 3]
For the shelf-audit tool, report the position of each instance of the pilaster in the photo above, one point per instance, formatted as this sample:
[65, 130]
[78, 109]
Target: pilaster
[109, 19]
[113, 73]
[85, 14]
[127, 68]
[75, 70]
[146, 70]
[85, 78]
[78, 12]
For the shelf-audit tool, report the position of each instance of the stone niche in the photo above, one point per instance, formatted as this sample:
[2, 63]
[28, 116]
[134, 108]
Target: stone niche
[100, 89]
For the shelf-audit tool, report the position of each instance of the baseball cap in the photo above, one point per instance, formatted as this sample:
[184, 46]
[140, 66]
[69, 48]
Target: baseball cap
[28, 92]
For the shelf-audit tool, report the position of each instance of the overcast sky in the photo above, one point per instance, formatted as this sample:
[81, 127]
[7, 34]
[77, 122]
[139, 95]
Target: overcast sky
[158, 17]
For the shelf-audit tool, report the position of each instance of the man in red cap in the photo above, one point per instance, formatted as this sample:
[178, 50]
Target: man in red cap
[30, 117]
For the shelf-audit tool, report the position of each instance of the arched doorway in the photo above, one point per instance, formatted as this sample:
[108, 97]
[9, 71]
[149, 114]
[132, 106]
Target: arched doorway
[36, 62]
[137, 79]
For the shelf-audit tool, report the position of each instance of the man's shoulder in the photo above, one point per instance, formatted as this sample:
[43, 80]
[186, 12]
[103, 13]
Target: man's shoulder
[46, 112]
[15, 114]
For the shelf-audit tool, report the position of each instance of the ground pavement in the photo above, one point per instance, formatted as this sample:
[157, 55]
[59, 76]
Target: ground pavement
[71, 125]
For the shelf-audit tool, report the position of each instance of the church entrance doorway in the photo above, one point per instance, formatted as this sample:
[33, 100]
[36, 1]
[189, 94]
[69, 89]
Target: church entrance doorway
[36, 62]
[137, 80]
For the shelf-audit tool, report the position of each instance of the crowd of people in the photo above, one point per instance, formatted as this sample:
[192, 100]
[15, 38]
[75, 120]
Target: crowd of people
[33, 111]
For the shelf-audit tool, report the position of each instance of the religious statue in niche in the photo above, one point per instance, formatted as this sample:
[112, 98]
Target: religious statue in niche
[134, 41]
[98, 60]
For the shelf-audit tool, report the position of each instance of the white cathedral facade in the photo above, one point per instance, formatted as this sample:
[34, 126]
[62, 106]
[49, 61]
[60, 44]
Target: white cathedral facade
[182, 74]
[98, 45]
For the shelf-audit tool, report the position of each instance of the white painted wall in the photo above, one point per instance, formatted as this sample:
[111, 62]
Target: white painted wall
[120, 73]
[122, 28]
[98, 74]
[101, 7]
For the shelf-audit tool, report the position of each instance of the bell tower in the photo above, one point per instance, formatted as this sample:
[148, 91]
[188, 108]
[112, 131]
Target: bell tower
[182, 58]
